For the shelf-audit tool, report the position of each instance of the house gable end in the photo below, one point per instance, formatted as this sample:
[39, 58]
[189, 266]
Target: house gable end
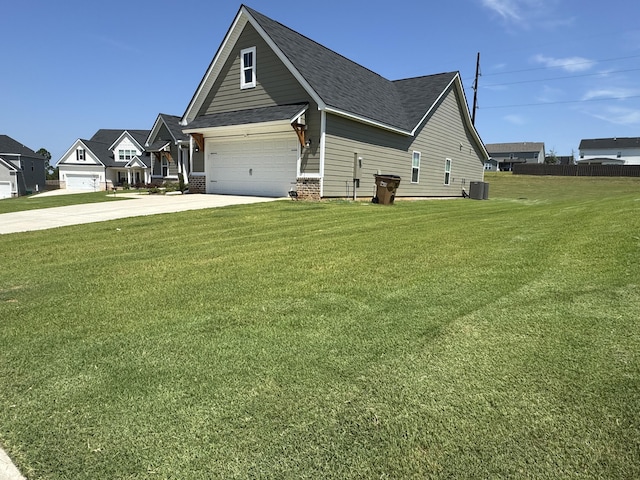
[122, 139]
[275, 85]
[92, 154]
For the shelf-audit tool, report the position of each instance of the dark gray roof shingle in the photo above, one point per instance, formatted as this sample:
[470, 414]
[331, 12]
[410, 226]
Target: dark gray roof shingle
[251, 115]
[350, 87]
[516, 147]
[173, 124]
[615, 142]
[9, 145]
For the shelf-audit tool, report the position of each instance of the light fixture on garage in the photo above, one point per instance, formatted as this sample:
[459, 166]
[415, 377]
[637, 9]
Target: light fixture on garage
[307, 144]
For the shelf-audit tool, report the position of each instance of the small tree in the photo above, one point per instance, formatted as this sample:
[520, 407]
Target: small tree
[52, 173]
[552, 158]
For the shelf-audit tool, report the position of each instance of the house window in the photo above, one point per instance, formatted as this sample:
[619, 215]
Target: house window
[248, 68]
[447, 171]
[165, 167]
[124, 155]
[619, 154]
[415, 167]
[80, 155]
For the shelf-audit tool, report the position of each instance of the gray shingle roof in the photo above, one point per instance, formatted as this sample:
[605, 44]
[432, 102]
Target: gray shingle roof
[251, 115]
[9, 145]
[173, 124]
[615, 142]
[350, 87]
[100, 142]
[517, 147]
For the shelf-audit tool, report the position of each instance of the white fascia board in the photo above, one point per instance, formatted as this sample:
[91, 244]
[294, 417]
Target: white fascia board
[154, 130]
[283, 58]
[135, 162]
[428, 112]
[125, 133]
[367, 121]
[467, 116]
[215, 67]
[73, 147]
[297, 115]
[8, 165]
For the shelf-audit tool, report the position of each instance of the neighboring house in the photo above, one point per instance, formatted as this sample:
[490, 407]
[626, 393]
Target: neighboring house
[610, 151]
[505, 155]
[276, 112]
[169, 150]
[110, 158]
[22, 170]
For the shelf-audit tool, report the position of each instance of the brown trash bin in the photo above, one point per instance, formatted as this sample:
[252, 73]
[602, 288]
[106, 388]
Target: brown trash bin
[386, 186]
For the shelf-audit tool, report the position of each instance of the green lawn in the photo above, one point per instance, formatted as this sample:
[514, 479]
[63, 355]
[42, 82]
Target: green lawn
[428, 339]
[34, 202]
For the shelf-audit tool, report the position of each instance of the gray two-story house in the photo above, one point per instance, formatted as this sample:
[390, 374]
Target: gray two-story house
[22, 170]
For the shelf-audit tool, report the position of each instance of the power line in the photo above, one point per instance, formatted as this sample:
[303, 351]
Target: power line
[560, 103]
[591, 62]
[561, 78]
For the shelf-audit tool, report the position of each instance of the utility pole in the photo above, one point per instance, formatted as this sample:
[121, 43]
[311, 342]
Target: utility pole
[475, 91]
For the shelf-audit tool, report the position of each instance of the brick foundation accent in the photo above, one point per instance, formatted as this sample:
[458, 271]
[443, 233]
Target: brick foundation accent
[308, 188]
[197, 184]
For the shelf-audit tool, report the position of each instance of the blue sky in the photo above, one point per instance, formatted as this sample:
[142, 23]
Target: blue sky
[553, 71]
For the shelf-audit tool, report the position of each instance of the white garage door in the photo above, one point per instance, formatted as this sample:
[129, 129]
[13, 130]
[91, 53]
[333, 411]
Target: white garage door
[265, 167]
[5, 189]
[83, 182]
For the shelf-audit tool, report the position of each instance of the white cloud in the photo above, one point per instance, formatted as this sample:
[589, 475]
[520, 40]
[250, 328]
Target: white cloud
[515, 119]
[570, 64]
[507, 9]
[617, 115]
[610, 93]
[527, 13]
[549, 94]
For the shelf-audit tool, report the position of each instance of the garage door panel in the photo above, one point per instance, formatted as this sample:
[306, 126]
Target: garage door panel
[5, 190]
[264, 167]
[82, 182]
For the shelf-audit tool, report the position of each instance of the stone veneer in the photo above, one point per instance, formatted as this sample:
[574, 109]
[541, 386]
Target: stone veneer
[197, 184]
[308, 188]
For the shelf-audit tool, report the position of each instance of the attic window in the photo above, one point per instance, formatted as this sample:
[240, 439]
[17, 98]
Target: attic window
[80, 154]
[248, 68]
[124, 155]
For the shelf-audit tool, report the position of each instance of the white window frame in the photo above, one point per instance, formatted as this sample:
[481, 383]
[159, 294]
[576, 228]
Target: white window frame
[447, 171]
[80, 156]
[126, 154]
[415, 168]
[164, 164]
[244, 69]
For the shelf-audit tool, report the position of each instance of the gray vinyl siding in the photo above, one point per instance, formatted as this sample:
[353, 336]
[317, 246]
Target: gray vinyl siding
[440, 138]
[275, 85]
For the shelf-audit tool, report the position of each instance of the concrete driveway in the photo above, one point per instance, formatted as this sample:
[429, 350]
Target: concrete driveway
[136, 205]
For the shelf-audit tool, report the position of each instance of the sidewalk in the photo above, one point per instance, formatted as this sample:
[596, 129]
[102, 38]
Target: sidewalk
[136, 205]
[8, 471]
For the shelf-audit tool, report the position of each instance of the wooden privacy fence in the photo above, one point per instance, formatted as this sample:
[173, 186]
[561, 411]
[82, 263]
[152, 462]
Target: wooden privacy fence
[577, 170]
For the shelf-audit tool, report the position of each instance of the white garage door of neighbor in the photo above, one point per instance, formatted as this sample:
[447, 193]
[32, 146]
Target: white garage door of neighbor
[264, 167]
[5, 189]
[83, 182]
